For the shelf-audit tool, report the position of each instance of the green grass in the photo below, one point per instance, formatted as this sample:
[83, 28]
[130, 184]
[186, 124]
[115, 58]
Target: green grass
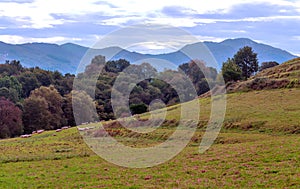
[258, 148]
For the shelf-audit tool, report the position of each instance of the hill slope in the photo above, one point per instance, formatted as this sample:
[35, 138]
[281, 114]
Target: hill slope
[286, 75]
[238, 159]
[66, 57]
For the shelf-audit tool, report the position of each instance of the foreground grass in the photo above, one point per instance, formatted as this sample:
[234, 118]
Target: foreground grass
[256, 149]
[236, 160]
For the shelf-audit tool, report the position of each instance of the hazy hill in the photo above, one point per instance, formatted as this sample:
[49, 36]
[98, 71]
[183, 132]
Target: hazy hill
[67, 57]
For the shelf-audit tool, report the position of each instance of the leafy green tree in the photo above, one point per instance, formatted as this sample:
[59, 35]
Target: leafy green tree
[29, 82]
[10, 88]
[138, 108]
[231, 71]
[246, 59]
[68, 110]
[44, 77]
[35, 114]
[200, 75]
[116, 66]
[54, 101]
[10, 119]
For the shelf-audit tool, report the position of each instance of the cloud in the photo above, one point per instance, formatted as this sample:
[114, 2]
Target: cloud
[15, 39]
[46, 14]
[80, 21]
[39, 13]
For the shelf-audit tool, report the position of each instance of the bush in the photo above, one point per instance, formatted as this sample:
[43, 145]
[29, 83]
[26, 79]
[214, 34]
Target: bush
[138, 108]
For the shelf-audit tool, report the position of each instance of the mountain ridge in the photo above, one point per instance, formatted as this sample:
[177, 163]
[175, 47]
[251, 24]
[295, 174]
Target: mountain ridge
[66, 57]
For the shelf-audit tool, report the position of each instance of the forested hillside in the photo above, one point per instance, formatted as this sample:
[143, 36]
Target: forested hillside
[38, 99]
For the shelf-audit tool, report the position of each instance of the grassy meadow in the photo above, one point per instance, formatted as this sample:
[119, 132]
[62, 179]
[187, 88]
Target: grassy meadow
[258, 147]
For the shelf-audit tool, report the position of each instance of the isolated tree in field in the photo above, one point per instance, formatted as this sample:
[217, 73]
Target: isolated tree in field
[35, 114]
[266, 65]
[246, 59]
[231, 71]
[10, 119]
[54, 102]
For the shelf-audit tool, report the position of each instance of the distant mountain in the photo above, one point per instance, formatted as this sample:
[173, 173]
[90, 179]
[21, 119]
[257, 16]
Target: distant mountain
[66, 57]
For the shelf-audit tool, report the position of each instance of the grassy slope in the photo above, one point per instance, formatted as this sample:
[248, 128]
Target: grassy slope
[289, 69]
[285, 75]
[260, 155]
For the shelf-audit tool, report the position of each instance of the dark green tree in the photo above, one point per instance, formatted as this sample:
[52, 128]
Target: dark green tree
[266, 65]
[10, 88]
[138, 108]
[246, 59]
[116, 66]
[230, 71]
[35, 114]
[29, 82]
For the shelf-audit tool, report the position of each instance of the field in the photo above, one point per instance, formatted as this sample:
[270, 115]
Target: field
[258, 147]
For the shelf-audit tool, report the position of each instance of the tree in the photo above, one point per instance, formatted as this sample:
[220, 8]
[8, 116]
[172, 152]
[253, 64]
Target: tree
[10, 119]
[199, 74]
[266, 65]
[138, 108]
[246, 59]
[230, 71]
[35, 114]
[83, 107]
[44, 77]
[29, 82]
[116, 66]
[10, 88]
[54, 102]
[68, 110]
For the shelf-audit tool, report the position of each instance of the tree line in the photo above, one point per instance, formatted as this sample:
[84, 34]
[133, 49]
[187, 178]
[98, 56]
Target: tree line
[33, 98]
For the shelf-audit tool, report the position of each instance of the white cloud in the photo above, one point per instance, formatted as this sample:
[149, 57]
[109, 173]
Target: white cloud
[15, 39]
[209, 38]
[39, 13]
[296, 38]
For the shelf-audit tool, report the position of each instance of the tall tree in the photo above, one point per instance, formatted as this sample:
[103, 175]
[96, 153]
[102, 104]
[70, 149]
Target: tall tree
[10, 119]
[35, 114]
[246, 59]
[83, 107]
[54, 101]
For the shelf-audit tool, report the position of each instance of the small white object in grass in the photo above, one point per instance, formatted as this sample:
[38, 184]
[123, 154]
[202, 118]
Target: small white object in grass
[58, 130]
[25, 136]
[40, 131]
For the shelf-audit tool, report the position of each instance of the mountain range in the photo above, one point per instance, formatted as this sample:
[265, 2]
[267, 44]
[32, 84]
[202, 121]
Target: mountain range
[67, 57]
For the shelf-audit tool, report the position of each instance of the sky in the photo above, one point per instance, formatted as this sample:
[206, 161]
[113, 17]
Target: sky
[84, 22]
